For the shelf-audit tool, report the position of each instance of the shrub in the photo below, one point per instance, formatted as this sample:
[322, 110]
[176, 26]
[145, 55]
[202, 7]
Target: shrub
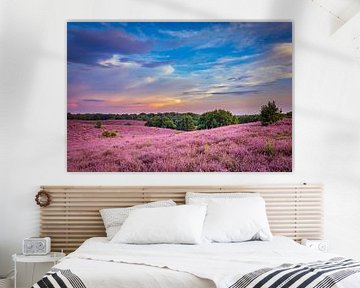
[269, 149]
[248, 118]
[98, 124]
[168, 123]
[162, 122]
[186, 123]
[217, 118]
[109, 133]
[270, 113]
[154, 122]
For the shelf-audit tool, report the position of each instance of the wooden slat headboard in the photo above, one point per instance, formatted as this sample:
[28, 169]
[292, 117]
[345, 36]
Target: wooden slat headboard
[73, 215]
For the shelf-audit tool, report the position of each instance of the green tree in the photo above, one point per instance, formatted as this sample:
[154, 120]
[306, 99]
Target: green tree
[168, 123]
[186, 123]
[154, 122]
[217, 118]
[248, 118]
[162, 122]
[270, 113]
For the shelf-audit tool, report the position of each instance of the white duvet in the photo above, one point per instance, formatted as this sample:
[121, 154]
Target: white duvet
[100, 263]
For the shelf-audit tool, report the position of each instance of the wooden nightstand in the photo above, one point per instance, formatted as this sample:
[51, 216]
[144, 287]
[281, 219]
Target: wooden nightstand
[53, 257]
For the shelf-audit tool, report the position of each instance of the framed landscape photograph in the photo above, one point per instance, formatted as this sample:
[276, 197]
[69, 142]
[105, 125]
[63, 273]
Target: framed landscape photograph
[179, 96]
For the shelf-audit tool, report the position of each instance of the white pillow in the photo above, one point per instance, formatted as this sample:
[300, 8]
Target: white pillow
[236, 220]
[204, 198]
[113, 218]
[180, 224]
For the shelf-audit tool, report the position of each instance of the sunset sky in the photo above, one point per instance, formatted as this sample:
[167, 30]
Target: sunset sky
[134, 67]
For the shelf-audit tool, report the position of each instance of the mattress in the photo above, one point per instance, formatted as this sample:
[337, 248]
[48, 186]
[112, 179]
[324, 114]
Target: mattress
[99, 263]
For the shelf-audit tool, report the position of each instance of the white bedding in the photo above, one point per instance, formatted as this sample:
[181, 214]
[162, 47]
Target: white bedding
[100, 263]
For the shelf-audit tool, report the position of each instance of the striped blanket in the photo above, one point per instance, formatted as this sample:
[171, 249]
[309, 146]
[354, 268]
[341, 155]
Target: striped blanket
[320, 274]
[59, 278]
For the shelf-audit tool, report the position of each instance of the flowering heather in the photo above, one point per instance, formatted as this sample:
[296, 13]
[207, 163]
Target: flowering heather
[137, 148]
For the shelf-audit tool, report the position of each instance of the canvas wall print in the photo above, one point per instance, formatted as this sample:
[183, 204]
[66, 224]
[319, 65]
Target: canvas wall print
[179, 96]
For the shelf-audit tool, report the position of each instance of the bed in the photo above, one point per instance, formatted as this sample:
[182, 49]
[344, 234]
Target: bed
[294, 211]
[98, 263]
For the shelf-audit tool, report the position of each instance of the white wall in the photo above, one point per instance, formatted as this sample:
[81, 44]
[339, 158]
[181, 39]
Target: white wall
[33, 108]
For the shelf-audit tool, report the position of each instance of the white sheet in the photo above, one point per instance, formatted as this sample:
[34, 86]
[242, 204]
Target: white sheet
[101, 264]
[101, 274]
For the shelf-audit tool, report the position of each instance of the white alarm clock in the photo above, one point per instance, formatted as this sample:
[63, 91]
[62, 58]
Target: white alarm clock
[320, 245]
[36, 246]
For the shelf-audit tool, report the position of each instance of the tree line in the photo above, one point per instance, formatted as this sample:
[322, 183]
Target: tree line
[269, 114]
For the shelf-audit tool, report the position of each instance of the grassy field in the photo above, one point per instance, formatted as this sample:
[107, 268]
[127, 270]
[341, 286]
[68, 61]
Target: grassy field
[137, 148]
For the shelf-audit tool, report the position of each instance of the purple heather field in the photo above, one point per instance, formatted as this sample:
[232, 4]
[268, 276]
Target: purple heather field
[137, 148]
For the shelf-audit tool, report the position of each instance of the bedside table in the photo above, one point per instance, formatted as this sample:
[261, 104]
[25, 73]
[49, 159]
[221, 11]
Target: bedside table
[320, 245]
[52, 257]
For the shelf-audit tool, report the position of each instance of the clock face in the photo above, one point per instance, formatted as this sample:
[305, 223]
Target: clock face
[323, 247]
[40, 245]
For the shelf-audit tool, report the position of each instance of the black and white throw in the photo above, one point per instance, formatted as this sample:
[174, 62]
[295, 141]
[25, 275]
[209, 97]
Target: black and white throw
[59, 278]
[319, 274]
